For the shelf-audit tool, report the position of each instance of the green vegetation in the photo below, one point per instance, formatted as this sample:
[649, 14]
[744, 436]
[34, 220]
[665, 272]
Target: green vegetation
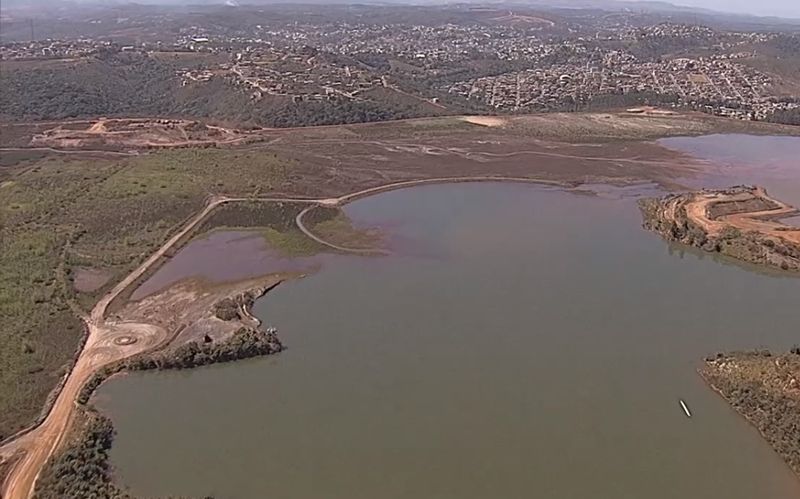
[274, 221]
[786, 117]
[764, 389]
[110, 84]
[749, 246]
[65, 212]
[336, 112]
[249, 214]
[243, 344]
[39, 332]
[332, 225]
[12, 158]
[82, 468]
[291, 243]
[134, 84]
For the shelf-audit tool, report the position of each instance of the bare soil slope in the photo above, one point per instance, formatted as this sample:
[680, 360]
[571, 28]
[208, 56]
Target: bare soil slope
[742, 222]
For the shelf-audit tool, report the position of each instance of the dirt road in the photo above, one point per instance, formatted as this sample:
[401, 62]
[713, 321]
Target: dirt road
[41, 442]
[103, 346]
[763, 221]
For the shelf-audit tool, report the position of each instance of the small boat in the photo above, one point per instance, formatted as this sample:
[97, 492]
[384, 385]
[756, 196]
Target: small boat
[685, 408]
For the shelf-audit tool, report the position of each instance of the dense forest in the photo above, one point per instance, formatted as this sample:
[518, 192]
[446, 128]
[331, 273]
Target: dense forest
[82, 469]
[138, 85]
[787, 117]
[117, 85]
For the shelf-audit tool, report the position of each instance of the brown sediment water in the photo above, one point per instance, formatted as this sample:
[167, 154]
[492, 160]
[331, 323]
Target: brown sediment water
[221, 256]
[536, 345]
[792, 221]
[769, 161]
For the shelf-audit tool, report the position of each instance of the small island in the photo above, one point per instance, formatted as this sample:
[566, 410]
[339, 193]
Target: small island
[741, 222]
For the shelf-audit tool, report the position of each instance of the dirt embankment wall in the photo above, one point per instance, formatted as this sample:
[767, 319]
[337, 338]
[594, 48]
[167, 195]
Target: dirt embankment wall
[724, 208]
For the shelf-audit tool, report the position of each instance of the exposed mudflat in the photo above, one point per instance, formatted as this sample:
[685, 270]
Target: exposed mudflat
[224, 256]
[380, 154]
[792, 221]
[533, 341]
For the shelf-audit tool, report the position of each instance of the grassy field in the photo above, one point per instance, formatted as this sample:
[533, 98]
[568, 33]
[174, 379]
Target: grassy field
[273, 221]
[332, 225]
[59, 213]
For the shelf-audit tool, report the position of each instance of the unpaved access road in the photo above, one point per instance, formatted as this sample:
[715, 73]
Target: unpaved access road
[41, 442]
[400, 185]
[101, 348]
[763, 221]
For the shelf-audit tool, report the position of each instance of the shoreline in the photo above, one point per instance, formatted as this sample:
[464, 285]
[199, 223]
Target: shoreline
[741, 222]
[197, 220]
[713, 374]
[96, 319]
[248, 341]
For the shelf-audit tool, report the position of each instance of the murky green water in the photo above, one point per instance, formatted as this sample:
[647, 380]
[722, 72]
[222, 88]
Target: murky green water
[524, 342]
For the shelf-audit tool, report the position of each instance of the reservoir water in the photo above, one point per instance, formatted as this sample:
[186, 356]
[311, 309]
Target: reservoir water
[520, 342]
[769, 161]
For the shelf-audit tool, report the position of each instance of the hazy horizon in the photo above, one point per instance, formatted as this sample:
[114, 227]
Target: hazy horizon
[778, 8]
[774, 8]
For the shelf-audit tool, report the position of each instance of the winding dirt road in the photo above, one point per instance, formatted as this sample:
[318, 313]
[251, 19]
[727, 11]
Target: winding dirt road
[103, 346]
[41, 442]
[401, 185]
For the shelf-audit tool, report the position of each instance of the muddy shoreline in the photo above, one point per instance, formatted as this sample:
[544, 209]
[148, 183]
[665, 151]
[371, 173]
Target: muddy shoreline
[273, 345]
[247, 340]
[224, 338]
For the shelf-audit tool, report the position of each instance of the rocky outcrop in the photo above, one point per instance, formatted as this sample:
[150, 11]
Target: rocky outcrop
[237, 307]
[741, 222]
